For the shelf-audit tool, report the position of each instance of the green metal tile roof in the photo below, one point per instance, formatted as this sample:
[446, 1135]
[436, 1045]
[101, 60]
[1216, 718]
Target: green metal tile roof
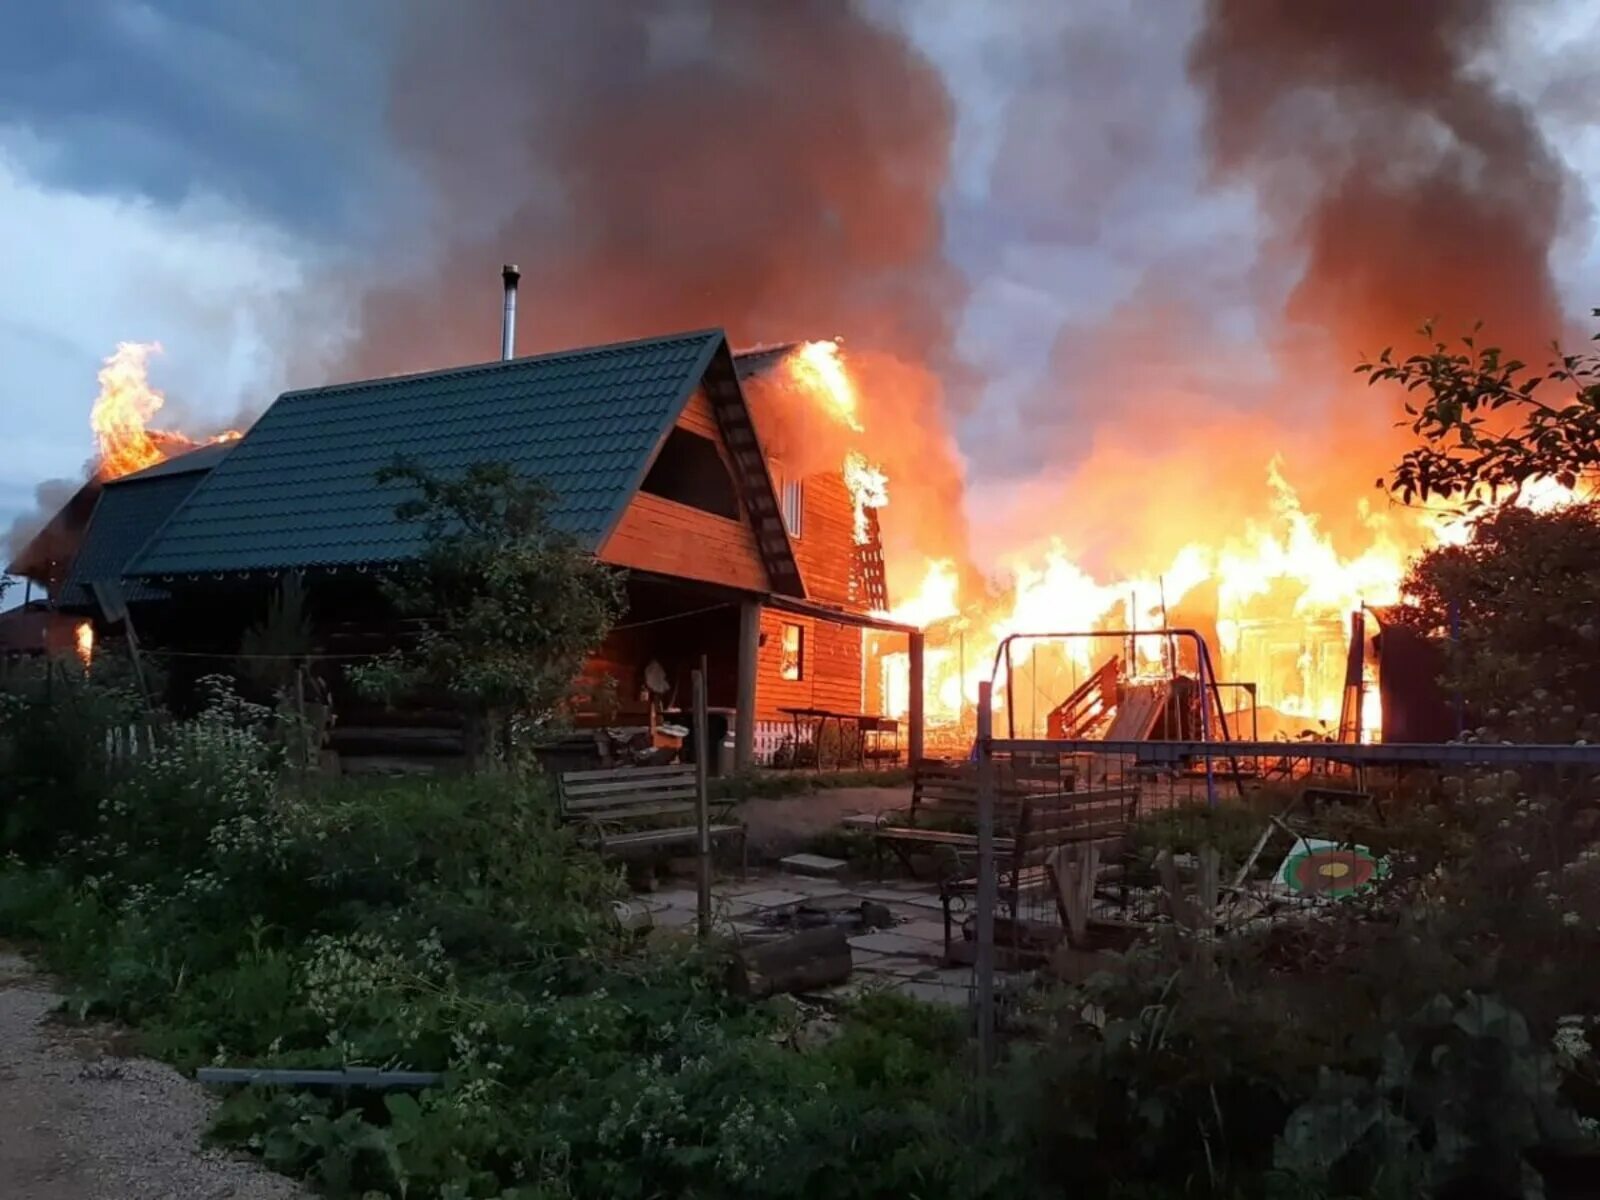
[300, 490]
[129, 510]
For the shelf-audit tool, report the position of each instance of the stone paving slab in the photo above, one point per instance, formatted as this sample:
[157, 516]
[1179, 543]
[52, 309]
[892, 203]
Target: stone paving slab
[925, 930]
[901, 966]
[935, 993]
[815, 889]
[890, 942]
[812, 864]
[920, 900]
[771, 898]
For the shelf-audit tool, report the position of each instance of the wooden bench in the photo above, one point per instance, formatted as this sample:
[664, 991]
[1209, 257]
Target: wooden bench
[633, 810]
[945, 794]
[1046, 823]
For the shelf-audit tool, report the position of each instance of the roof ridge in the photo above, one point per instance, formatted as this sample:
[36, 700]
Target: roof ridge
[571, 352]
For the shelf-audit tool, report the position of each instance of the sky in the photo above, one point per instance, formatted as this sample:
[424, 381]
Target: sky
[257, 187]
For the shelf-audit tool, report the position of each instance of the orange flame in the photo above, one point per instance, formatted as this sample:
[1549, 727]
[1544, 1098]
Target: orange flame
[869, 488]
[83, 637]
[122, 411]
[818, 368]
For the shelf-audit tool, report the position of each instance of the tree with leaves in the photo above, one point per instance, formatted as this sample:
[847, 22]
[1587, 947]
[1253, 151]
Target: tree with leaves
[1518, 610]
[508, 606]
[1488, 425]
[1517, 605]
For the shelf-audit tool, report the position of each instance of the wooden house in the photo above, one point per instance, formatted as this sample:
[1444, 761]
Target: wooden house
[654, 458]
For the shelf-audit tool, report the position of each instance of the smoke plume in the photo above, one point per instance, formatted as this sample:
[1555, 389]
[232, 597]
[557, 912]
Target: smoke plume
[1388, 179]
[773, 169]
[1390, 161]
[48, 532]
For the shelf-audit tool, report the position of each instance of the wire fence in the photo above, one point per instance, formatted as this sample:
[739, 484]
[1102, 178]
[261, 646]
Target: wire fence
[1094, 845]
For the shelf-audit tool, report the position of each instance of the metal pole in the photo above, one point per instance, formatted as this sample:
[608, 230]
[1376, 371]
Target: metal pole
[1011, 698]
[702, 802]
[916, 716]
[987, 888]
[1205, 724]
[1033, 685]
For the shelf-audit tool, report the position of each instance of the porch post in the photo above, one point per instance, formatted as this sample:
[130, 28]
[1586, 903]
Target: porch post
[744, 737]
[914, 714]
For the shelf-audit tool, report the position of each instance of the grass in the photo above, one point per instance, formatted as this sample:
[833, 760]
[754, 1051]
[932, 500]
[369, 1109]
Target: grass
[775, 784]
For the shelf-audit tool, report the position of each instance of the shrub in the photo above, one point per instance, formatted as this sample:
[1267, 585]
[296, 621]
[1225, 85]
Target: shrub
[54, 722]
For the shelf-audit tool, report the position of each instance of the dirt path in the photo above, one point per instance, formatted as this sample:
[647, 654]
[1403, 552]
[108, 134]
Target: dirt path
[77, 1122]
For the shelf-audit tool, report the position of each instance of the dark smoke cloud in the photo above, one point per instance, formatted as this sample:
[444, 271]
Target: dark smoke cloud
[1365, 170]
[49, 499]
[773, 169]
[1410, 183]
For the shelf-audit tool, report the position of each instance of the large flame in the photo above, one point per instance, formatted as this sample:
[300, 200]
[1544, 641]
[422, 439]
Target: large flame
[818, 368]
[83, 640]
[122, 412]
[1272, 597]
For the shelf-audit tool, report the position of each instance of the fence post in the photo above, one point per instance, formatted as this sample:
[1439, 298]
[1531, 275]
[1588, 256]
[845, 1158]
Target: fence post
[702, 803]
[987, 888]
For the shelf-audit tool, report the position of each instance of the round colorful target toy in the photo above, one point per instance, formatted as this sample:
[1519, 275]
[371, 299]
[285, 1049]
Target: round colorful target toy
[1321, 868]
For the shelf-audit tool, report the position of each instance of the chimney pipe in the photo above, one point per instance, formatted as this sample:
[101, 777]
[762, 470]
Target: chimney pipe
[508, 328]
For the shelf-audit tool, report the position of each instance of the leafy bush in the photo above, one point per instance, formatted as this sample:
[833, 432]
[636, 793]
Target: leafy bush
[54, 721]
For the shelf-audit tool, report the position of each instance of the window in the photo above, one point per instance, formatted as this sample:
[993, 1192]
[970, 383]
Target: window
[792, 653]
[690, 471]
[792, 501]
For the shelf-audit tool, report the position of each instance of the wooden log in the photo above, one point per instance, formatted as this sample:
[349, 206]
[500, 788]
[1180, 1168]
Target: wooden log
[803, 962]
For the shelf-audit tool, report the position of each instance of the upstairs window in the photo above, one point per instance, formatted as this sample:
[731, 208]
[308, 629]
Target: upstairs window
[791, 501]
[792, 653]
[690, 471]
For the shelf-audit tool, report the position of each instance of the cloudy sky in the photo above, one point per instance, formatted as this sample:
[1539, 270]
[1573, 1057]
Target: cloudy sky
[1028, 197]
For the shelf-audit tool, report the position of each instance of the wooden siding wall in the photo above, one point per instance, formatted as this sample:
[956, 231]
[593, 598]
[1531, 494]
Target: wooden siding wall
[832, 667]
[698, 418]
[826, 548]
[673, 539]
[656, 534]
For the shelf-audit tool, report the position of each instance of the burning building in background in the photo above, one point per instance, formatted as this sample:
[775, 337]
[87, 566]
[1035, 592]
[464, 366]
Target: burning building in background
[779, 170]
[45, 546]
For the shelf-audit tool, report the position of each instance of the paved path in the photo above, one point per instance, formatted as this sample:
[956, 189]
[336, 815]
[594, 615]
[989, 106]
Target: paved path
[907, 957]
[79, 1122]
[780, 825]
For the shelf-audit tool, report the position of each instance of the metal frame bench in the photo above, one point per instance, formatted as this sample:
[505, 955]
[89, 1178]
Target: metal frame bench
[633, 810]
[1046, 823]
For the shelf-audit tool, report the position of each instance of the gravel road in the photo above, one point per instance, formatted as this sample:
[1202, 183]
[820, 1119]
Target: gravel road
[80, 1122]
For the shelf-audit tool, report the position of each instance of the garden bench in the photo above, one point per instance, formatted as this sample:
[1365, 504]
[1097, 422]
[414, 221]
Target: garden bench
[1045, 823]
[945, 795]
[631, 810]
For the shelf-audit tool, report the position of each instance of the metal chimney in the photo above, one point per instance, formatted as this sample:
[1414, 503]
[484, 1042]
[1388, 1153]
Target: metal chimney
[508, 327]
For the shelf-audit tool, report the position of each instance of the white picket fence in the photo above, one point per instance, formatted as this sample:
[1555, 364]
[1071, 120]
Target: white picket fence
[129, 743]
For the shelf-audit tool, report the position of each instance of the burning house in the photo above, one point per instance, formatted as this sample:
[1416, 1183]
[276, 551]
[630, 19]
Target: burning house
[738, 493]
[771, 573]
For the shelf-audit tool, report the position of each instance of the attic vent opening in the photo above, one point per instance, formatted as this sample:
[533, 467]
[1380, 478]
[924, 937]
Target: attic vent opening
[690, 471]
